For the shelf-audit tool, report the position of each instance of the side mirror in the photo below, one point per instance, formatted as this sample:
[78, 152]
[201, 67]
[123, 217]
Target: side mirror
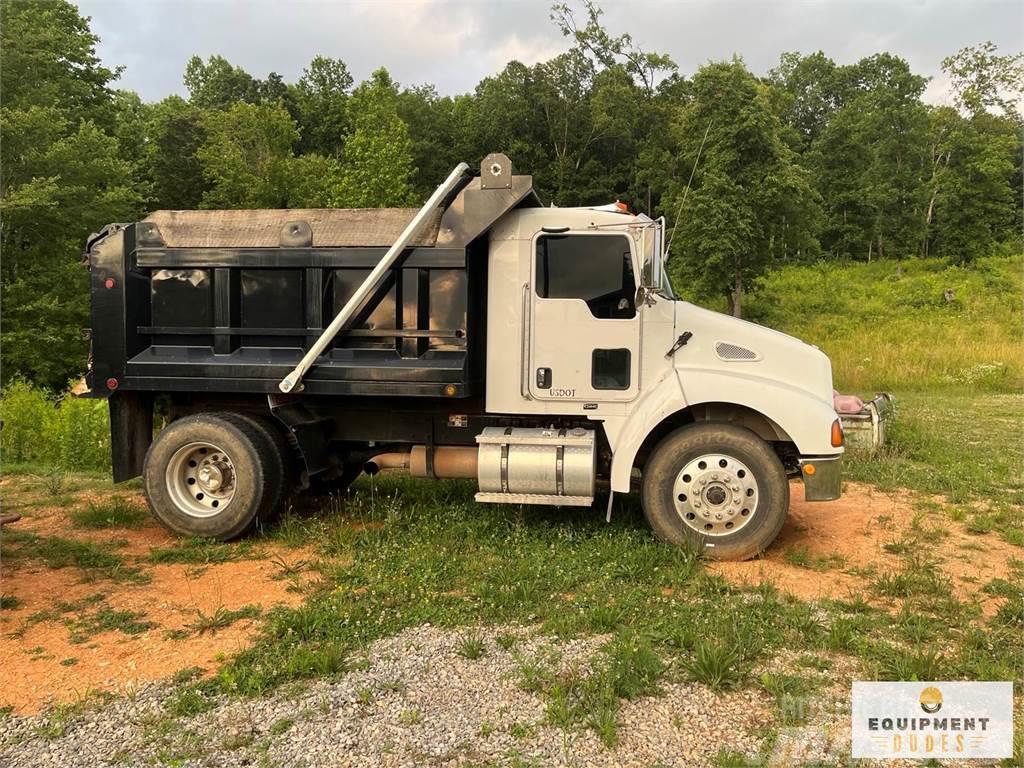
[653, 260]
[644, 297]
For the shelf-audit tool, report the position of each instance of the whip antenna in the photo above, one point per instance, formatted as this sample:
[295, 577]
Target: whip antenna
[679, 210]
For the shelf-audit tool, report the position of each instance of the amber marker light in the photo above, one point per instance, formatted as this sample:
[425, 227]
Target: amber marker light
[837, 433]
[450, 390]
[809, 469]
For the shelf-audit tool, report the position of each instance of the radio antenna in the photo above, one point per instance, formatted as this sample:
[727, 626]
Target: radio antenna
[679, 210]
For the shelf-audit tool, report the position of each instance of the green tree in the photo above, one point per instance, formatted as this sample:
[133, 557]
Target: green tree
[217, 84]
[990, 88]
[378, 167]
[612, 50]
[321, 97]
[246, 156]
[434, 134]
[49, 60]
[176, 131]
[983, 79]
[562, 90]
[130, 118]
[504, 115]
[971, 203]
[61, 177]
[814, 90]
[313, 181]
[750, 205]
[870, 162]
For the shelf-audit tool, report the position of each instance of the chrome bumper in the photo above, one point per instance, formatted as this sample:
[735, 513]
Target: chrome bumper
[823, 478]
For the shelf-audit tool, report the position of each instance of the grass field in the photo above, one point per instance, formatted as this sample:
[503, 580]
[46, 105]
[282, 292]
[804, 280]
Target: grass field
[913, 325]
[963, 446]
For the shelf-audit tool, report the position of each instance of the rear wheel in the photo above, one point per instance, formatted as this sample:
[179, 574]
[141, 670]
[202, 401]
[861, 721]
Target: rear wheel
[209, 475]
[718, 487]
[275, 455]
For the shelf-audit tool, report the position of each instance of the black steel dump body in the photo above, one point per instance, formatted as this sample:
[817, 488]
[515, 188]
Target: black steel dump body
[228, 301]
[214, 301]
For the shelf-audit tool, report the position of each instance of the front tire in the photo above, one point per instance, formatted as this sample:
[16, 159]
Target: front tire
[716, 487]
[206, 475]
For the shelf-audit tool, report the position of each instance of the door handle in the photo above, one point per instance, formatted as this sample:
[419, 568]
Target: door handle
[543, 378]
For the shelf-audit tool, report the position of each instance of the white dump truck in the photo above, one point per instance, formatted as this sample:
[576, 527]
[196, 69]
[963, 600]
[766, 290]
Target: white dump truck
[538, 351]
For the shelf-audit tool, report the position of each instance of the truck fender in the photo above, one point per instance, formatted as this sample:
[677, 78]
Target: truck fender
[626, 436]
[803, 418]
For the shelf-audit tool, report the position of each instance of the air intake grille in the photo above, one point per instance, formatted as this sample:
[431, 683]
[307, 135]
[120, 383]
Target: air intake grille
[727, 351]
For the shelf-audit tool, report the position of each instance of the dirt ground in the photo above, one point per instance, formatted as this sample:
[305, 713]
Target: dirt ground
[43, 664]
[839, 545]
[848, 537]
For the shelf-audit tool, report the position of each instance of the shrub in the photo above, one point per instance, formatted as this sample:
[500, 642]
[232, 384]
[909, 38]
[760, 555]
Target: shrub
[27, 415]
[82, 433]
[66, 432]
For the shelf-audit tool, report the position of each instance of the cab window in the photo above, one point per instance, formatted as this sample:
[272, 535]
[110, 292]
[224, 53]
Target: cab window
[595, 268]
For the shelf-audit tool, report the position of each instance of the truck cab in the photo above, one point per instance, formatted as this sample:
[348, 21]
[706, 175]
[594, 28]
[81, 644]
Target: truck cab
[538, 351]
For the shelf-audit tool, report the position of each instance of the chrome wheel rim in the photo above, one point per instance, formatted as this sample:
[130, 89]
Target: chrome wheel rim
[200, 479]
[715, 494]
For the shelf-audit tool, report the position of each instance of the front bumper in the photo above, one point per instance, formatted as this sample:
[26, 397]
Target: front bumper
[823, 478]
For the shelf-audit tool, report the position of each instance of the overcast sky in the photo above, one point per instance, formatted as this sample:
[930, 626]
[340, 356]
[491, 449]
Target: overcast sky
[455, 43]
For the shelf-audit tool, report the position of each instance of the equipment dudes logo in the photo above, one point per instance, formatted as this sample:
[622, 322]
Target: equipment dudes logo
[932, 720]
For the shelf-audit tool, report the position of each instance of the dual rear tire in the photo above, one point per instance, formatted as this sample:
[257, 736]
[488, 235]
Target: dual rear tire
[215, 475]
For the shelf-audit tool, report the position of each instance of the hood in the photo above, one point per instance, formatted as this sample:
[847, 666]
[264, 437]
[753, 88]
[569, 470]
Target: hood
[732, 346]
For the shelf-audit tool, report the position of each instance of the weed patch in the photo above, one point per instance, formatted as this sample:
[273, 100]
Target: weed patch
[117, 512]
[107, 619]
[201, 552]
[221, 618]
[9, 603]
[97, 560]
[472, 646]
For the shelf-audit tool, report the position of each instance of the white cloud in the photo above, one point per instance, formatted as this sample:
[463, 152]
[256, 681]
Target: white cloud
[939, 91]
[527, 52]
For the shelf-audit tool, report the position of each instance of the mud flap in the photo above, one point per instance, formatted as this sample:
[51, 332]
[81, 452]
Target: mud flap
[131, 432]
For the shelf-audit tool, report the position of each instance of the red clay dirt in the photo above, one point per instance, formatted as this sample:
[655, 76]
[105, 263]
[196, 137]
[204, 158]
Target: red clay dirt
[33, 650]
[850, 534]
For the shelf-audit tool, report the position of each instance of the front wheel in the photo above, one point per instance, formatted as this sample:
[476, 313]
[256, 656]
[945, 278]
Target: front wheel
[717, 487]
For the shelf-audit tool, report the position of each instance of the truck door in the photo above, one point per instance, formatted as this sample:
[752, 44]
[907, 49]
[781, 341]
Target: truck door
[584, 323]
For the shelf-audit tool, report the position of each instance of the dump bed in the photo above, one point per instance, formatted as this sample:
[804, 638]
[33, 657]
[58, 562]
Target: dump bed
[228, 301]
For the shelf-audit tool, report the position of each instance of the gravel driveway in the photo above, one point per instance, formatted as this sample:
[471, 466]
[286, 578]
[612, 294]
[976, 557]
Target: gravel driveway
[415, 702]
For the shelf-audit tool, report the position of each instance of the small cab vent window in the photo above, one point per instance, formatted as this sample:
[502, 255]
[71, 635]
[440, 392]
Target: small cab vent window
[595, 268]
[731, 352]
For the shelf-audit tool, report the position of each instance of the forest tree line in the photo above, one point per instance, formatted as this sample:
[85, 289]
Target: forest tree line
[815, 160]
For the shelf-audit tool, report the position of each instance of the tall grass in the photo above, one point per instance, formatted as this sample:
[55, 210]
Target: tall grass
[55, 431]
[916, 324]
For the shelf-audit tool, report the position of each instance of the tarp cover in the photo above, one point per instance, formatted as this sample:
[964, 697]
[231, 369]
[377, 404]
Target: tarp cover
[332, 227]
